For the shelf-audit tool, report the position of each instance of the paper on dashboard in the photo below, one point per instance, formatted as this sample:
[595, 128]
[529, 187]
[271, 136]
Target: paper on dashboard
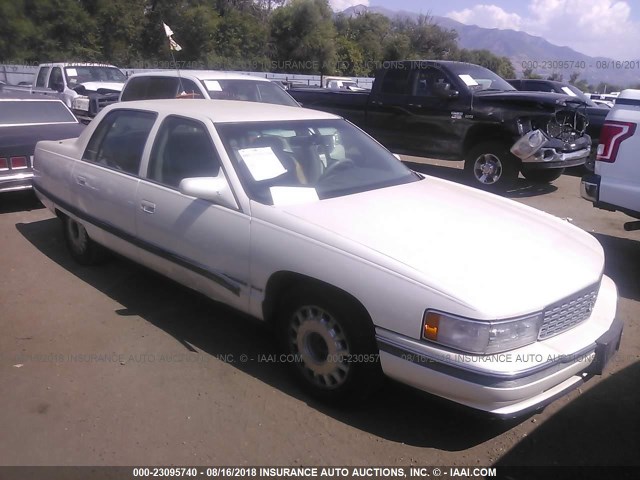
[213, 85]
[468, 80]
[293, 195]
[262, 163]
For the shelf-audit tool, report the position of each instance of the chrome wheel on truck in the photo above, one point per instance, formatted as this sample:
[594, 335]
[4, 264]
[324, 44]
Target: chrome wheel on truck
[491, 166]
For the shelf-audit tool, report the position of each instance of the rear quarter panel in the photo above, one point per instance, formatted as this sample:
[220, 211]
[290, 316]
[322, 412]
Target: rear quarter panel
[620, 181]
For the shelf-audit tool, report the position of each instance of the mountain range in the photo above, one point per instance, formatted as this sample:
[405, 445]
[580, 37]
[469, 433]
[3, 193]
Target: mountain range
[524, 50]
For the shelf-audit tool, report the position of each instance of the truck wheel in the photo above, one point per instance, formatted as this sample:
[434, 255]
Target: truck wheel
[329, 344]
[542, 176]
[491, 166]
[83, 250]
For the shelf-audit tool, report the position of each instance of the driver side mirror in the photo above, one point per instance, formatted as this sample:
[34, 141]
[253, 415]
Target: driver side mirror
[213, 189]
[443, 90]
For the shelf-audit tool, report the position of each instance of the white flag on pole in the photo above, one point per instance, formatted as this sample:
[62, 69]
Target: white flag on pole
[173, 45]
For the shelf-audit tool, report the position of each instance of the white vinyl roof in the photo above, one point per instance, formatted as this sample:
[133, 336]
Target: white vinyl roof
[200, 75]
[224, 111]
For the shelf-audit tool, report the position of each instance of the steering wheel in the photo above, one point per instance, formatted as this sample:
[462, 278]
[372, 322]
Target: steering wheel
[337, 166]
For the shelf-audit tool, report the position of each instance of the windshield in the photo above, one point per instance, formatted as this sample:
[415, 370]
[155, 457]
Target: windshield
[29, 112]
[302, 161]
[574, 91]
[82, 74]
[248, 90]
[477, 78]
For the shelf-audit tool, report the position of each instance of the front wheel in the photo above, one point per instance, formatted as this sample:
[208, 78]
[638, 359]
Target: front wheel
[542, 176]
[83, 250]
[491, 166]
[330, 345]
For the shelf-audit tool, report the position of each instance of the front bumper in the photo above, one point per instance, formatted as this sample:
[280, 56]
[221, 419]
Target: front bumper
[551, 158]
[552, 153]
[516, 383]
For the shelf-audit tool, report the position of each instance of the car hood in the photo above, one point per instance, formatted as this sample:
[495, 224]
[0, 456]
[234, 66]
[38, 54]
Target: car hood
[497, 256]
[517, 96]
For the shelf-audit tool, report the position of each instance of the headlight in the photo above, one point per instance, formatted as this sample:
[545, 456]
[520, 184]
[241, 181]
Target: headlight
[479, 337]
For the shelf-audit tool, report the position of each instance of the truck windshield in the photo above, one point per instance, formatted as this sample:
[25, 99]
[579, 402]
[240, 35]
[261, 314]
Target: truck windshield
[248, 90]
[477, 78]
[290, 161]
[84, 73]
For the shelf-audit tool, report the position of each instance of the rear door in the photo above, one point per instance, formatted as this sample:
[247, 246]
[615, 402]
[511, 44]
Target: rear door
[386, 111]
[200, 244]
[434, 124]
[104, 183]
[42, 81]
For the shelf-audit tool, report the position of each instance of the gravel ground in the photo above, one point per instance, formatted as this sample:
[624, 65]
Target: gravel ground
[114, 365]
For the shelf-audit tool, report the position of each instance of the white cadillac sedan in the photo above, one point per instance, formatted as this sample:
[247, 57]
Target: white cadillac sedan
[362, 266]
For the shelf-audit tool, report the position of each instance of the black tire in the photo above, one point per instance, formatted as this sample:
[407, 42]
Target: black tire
[491, 166]
[330, 345]
[83, 250]
[542, 176]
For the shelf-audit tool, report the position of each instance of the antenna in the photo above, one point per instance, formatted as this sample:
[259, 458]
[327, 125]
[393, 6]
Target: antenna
[173, 45]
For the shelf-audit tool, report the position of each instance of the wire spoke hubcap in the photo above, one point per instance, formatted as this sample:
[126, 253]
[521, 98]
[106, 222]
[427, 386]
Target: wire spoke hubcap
[320, 346]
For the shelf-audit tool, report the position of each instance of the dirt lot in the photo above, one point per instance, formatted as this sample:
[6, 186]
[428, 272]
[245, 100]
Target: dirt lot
[114, 365]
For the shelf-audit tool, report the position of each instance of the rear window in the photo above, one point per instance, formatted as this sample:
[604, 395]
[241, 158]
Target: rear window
[34, 112]
[150, 88]
[248, 91]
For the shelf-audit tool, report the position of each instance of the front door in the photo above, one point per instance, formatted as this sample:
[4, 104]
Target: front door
[194, 241]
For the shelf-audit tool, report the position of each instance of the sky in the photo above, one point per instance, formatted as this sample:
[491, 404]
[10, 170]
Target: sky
[609, 28]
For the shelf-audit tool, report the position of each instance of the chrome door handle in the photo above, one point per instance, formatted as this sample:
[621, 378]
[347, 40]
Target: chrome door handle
[148, 207]
[81, 181]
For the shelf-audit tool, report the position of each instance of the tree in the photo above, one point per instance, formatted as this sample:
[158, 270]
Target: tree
[428, 40]
[500, 65]
[303, 36]
[350, 58]
[556, 77]
[529, 73]
[370, 31]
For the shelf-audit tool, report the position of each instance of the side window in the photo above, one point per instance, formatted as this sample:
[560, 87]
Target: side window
[119, 140]
[55, 79]
[188, 89]
[182, 149]
[42, 76]
[426, 80]
[396, 80]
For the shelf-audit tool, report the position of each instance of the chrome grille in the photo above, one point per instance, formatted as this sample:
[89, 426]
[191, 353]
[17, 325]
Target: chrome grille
[568, 313]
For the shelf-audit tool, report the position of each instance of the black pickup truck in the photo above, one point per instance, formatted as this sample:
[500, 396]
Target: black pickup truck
[461, 111]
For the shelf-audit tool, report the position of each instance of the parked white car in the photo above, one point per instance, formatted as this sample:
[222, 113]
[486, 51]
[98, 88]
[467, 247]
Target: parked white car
[615, 184]
[208, 84]
[363, 267]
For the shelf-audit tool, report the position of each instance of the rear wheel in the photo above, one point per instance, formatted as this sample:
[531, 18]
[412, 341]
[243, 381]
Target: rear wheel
[542, 176]
[491, 166]
[83, 250]
[330, 345]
